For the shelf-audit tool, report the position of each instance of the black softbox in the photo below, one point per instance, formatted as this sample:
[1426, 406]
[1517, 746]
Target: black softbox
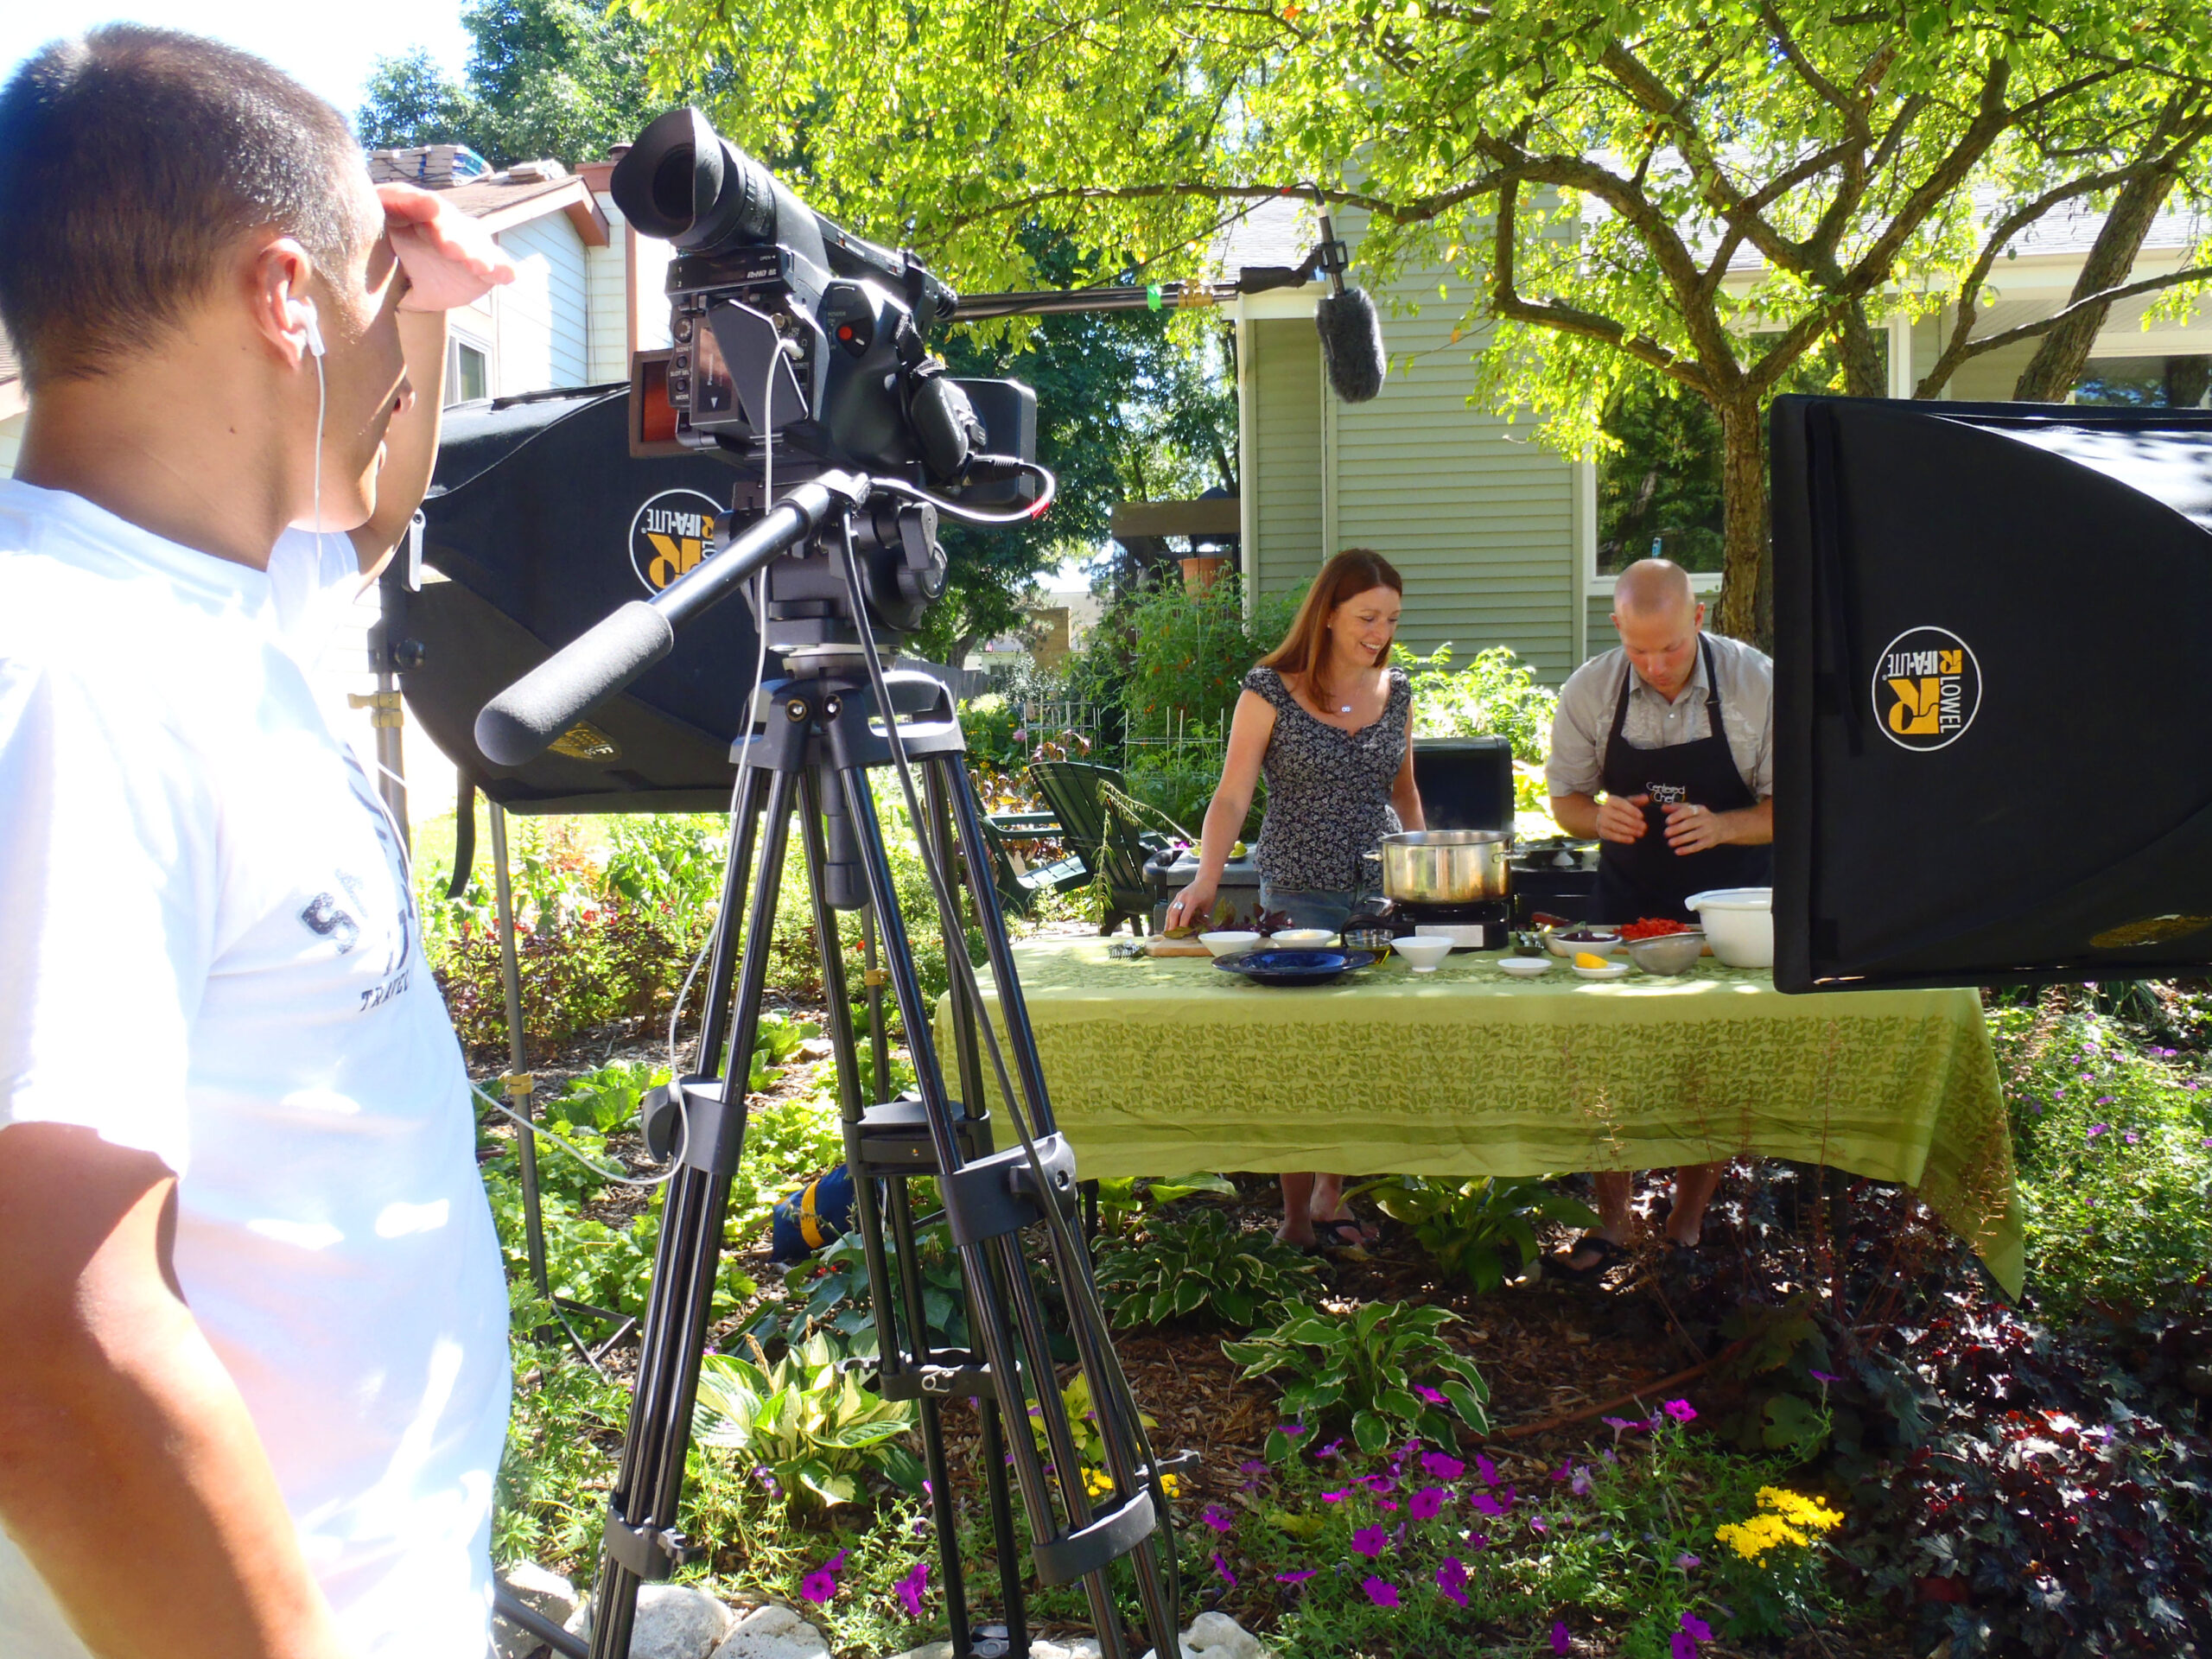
[1994, 693]
[542, 522]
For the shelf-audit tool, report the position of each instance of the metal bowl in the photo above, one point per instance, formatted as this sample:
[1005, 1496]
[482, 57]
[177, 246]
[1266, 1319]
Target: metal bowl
[1669, 953]
[1448, 867]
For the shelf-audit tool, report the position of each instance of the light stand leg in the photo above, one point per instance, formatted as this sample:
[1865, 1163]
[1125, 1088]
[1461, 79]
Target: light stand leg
[518, 1084]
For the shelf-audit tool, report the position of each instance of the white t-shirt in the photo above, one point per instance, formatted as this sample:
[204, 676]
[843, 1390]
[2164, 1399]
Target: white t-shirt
[209, 951]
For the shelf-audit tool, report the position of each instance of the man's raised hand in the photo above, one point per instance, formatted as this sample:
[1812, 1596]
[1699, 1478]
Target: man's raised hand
[449, 258]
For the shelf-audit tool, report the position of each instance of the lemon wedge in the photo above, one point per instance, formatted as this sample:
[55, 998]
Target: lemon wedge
[1586, 959]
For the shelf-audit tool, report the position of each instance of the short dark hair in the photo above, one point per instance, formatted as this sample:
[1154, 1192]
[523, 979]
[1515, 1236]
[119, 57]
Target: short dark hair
[131, 159]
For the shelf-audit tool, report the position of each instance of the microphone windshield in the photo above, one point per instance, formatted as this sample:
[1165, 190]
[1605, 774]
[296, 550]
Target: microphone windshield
[1351, 344]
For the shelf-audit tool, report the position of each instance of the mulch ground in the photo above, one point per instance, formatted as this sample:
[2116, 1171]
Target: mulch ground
[1557, 1356]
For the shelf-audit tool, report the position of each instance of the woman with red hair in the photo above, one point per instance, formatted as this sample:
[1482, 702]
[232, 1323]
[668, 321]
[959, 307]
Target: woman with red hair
[1327, 721]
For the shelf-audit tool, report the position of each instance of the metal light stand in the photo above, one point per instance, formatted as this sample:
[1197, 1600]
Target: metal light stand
[812, 752]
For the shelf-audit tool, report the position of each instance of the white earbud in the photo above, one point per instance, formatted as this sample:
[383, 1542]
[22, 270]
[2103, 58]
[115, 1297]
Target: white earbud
[301, 313]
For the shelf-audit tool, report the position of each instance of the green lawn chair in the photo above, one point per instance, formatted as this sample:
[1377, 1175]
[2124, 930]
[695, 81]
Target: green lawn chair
[1111, 846]
[1019, 888]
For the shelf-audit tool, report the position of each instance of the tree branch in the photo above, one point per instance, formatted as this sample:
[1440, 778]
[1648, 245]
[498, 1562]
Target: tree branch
[1506, 302]
[2087, 302]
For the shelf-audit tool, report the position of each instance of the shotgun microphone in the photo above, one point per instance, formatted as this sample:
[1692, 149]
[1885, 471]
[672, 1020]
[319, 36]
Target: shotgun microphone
[1351, 332]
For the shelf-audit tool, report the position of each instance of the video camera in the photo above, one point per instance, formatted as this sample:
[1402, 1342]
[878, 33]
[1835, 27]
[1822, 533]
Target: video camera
[788, 331]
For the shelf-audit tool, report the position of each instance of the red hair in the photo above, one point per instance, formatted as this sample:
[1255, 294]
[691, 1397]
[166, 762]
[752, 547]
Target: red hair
[1306, 647]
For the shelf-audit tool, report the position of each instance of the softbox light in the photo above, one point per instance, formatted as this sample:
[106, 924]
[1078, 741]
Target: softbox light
[542, 522]
[1994, 693]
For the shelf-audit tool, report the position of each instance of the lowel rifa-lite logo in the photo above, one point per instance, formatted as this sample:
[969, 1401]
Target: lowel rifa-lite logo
[671, 532]
[1927, 688]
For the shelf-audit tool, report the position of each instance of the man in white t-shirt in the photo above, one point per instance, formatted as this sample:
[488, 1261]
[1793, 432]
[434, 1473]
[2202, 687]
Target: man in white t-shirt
[253, 1385]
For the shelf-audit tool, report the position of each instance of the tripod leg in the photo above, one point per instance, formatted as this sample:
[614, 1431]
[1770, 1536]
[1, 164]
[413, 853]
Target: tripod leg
[1017, 1611]
[891, 1357]
[641, 1540]
[948, 1517]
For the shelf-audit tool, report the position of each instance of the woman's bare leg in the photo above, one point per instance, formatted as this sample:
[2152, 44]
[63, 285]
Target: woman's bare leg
[1297, 1198]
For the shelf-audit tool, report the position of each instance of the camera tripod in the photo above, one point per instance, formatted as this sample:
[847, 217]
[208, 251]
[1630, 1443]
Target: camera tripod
[816, 736]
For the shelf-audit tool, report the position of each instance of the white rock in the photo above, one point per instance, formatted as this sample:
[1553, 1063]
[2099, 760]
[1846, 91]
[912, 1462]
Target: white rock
[772, 1632]
[1216, 1635]
[545, 1593]
[675, 1621]
[937, 1650]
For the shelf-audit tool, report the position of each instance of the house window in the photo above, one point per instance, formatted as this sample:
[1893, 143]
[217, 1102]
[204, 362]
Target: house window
[2146, 382]
[468, 372]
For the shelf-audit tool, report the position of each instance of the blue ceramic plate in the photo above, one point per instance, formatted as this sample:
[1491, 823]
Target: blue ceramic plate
[1287, 967]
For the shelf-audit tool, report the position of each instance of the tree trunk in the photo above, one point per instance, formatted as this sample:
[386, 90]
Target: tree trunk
[2188, 378]
[1746, 610]
[2065, 350]
[1865, 374]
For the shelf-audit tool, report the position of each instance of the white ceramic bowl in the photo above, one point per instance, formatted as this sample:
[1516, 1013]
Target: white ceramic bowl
[1739, 922]
[1303, 938]
[1610, 970]
[1604, 945]
[1228, 941]
[1423, 953]
[1524, 966]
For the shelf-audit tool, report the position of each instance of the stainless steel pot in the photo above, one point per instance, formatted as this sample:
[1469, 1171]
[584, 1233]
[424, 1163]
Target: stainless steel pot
[1448, 867]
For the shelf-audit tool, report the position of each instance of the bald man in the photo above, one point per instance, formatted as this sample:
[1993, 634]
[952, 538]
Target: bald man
[1662, 749]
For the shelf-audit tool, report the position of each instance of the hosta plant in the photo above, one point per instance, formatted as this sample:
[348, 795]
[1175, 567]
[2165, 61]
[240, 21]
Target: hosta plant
[808, 1421]
[1469, 1227]
[1385, 1373]
[1202, 1265]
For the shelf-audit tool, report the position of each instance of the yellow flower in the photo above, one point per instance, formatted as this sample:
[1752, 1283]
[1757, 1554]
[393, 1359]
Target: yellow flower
[1171, 1485]
[1783, 1517]
[1096, 1483]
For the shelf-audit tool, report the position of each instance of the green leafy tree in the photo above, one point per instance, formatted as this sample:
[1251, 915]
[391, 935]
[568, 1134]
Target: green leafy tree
[1706, 191]
[547, 78]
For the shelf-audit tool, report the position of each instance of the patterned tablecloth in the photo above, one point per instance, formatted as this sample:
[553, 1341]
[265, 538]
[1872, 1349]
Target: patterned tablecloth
[1170, 1066]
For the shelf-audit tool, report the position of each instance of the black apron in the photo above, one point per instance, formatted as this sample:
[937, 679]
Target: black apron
[1648, 878]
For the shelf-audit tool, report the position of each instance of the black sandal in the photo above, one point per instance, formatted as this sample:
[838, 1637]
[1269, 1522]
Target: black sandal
[1610, 1254]
[1343, 1234]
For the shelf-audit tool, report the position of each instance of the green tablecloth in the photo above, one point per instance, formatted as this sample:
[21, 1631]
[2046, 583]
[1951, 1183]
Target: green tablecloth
[1169, 1066]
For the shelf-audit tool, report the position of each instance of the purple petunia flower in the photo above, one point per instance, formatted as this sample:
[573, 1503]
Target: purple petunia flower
[1427, 1503]
[1252, 1467]
[820, 1586]
[1336, 1498]
[1681, 1647]
[1624, 1424]
[2104, 1100]
[1685, 1561]
[1487, 1470]
[1681, 1410]
[2096, 1130]
[1488, 1505]
[1477, 1541]
[1580, 1485]
[1696, 1629]
[1537, 1524]
[1388, 1505]
[2131, 1137]
[1218, 1518]
[1328, 1450]
[1563, 1471]
[1442, 1467]
[1369, 1540]
[1290, 1431]
[1823, 1376]
[1434, 1396]
[1452, 1579]
[1296, 1578]
[1221, 1571]
[1378, 1484]
[911, 1589]
[1381, 1592]
[1561, 1642]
